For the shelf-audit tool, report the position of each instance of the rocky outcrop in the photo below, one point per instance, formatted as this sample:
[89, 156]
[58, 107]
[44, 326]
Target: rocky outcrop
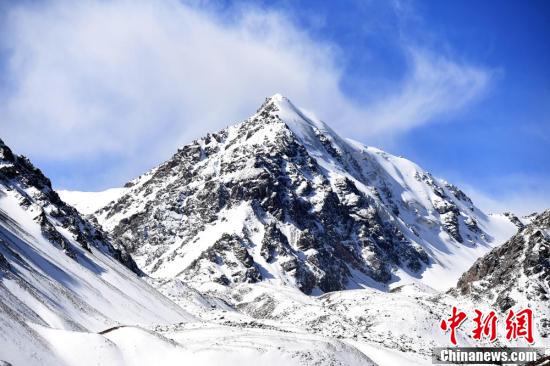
[514, 219]
[230, 253]
[516, 273]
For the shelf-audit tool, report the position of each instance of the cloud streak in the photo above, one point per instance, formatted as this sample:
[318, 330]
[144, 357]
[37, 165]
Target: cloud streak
[134, 79]
[520, 194]
[435, 88]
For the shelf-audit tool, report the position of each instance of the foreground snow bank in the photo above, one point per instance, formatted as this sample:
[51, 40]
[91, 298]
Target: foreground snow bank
[199, 345]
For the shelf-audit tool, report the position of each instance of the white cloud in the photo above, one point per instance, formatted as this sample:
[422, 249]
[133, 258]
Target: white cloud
[519, 194]
[135, 79]
[436, 86]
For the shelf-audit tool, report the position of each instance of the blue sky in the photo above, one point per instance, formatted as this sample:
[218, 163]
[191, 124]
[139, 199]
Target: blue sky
[96, 93]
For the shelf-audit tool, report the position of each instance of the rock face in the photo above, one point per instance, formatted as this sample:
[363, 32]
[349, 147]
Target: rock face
[34, 190]
[282, 197]
[516, 273]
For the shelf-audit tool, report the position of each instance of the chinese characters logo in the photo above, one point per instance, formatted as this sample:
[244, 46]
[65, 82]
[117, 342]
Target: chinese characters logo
[518, 325]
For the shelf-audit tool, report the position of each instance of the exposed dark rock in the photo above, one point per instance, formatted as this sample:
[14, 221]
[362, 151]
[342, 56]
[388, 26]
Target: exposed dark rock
[229, 252]
[4, 264]
[274, 243]
[458, 193]
[515, 220]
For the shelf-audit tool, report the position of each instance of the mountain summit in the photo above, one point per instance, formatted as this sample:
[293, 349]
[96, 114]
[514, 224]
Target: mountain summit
[281, 197]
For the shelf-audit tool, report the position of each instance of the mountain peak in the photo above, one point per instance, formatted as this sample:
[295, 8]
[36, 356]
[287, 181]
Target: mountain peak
[276, 102]
[277, 97]
[303, 124]
[283, 197]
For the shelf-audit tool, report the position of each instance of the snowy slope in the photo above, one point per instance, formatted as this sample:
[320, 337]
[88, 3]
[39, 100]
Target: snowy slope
[53, 309]
[421, 200]
[397, 327]
[281, 197]
[201, 344]
[89, 202]
[91, 292]
[57, 271]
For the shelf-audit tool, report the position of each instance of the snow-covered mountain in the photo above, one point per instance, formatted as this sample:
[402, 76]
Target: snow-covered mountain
[281, 197]
[89, 202]
[58, 271]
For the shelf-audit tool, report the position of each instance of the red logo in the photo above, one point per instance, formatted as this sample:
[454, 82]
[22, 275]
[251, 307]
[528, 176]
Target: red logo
[486, 326]
[453, 322]
[518, 325]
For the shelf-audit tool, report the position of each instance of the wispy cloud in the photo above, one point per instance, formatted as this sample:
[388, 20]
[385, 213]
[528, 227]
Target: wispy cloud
[435, 87]
[517, 193]
[135, 79]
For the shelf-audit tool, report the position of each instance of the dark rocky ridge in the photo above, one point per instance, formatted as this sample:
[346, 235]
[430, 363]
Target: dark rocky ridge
[33, 188]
